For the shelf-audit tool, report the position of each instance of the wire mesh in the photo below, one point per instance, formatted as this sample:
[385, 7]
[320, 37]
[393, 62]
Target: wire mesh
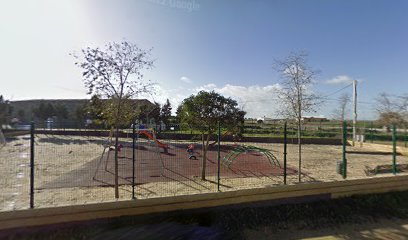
[65, 165]
[15, 169]
[77, 165]
[372, 154]
[173, 165]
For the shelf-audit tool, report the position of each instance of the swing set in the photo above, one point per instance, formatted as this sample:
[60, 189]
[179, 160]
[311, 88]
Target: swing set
[109, 146]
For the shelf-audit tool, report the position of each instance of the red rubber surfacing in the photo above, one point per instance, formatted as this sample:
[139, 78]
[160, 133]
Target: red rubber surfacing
[172, 166]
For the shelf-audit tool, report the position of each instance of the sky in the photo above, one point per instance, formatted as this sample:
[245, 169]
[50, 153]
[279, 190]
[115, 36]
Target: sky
[227, 45]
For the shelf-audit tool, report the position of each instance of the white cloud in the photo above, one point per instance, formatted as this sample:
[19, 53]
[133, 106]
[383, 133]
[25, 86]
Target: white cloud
[257, 101]
[185, 79]
[175, 96]
[207, 87]
[341, 79]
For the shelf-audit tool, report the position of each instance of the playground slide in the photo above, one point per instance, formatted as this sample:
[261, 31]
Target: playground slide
[147, 134]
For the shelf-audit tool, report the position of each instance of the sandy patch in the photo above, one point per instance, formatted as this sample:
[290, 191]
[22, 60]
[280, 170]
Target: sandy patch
[57, 155]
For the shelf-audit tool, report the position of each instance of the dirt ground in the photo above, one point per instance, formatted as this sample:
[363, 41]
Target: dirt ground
[70, 159]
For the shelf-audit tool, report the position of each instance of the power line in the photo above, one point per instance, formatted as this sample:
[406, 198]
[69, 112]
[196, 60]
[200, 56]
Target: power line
[337, 91]
[339, 100]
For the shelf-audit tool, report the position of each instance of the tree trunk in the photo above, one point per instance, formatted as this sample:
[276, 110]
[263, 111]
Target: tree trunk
[116, 150]
[204, 159]
[300, 148]
[116, 163]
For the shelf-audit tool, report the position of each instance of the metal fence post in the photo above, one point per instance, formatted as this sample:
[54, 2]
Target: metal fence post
[371, 132]
[285, 142]
[133, 159]
[394, 149]
[219, 157]
[344, 170]
[32, 128]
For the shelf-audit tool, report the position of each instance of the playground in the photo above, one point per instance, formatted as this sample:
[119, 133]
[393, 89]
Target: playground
[79, 169]
[171, 165]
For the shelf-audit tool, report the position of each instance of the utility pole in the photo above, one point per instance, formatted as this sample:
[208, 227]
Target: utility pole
[354, 110]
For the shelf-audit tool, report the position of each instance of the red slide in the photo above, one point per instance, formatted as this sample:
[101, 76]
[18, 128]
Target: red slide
[148, 135]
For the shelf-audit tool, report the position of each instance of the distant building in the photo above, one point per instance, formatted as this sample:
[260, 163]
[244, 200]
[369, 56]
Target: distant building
[267, 120]
[314, 119]
[306, 119]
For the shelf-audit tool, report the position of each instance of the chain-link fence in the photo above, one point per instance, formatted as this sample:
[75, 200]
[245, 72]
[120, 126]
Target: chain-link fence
[378, 151]
[43, 165]
[15, 169]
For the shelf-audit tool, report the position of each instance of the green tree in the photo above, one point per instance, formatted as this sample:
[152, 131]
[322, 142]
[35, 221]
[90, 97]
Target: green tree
[21, 115]
[149, 113]
[61, 111]
[5, 111]
[81, 113]
[154, 114]
[39, 111]
[95, 110]
[116, 73]
[128, 111]
[44, 111]
[143, 110]
[203, 111]
[165, 112]
[179, 113]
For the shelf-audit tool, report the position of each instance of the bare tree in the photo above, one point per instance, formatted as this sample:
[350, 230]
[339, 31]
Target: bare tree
[340, 113]
[403, 100]
[296, 95]
[116, 72]
[392, 109]
[385, 103]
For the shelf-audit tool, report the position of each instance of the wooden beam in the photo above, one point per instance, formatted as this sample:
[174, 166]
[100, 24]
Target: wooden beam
[45, 216]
